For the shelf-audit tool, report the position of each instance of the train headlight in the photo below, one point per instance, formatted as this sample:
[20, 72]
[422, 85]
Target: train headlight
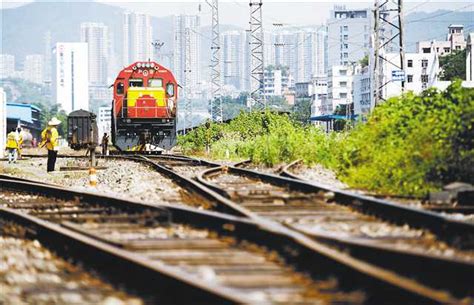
[139, 65]
[152, 65]
[147, 65]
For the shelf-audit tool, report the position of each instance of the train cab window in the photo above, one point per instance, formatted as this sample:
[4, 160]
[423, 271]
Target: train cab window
[170, 89]
[155, 82]
[137, 82]
[119, 89]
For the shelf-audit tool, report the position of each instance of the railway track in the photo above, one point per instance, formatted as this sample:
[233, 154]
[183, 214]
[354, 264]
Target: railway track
[383, 233]
[291, 171]
[214, 258]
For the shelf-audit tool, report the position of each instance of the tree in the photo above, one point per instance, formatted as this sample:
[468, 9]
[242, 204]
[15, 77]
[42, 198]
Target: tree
[302, 110]
[364, 62]
[453, 65]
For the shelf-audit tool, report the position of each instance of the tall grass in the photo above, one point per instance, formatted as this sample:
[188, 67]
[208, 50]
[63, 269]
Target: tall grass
[409, 145]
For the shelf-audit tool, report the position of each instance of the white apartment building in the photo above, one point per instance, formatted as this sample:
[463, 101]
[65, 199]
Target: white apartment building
[7, 65]
[70, 79]
[421, 72]
[3, 120]
[362, 91]
[97, 39]
[104, 121]
[137, 38]
[33, 68]
[454, 41]
[320, 93]
[276, 82]
[349, 33]
[339, 88]
[187, 24]
[235, 60]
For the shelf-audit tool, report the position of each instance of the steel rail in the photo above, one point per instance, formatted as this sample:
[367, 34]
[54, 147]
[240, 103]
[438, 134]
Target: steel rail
[297, 249]
[456, 273]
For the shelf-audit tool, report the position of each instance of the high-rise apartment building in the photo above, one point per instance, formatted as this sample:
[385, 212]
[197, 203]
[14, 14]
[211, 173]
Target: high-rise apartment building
[187, 24]
[236, 59]
[7, 65]
[33, 68]
[349, 33]
[137, 37]
[96, 37]
[70, 79]
[303, 51]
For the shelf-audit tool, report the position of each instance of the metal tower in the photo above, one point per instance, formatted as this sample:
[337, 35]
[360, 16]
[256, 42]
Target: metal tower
[216, 102]
[388, 35]
[256, 55]
[187, 119]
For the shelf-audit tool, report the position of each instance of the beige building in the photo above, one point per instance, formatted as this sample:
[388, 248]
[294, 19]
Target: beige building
[454, 41]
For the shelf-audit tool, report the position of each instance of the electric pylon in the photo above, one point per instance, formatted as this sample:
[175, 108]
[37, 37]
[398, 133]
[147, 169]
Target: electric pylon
[216, 102]
[256, 55]
[388, 35]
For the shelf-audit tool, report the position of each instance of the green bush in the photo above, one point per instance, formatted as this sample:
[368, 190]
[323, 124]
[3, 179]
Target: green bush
[409, 145]
[412, 144]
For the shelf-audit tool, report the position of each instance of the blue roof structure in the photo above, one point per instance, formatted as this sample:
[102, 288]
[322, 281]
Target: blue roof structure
[22, 112]
[331, 117]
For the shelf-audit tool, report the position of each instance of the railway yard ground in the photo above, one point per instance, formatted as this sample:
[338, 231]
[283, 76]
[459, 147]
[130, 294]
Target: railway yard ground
[223, 233]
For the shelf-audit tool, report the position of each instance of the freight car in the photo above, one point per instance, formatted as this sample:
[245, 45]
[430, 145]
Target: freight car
[144, 108]
[82, 132]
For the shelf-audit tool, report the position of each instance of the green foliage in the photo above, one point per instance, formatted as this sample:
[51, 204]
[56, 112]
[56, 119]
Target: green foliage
[301, 111]
[409, 145]
[364, 62]
[453, 65]
[412, 144]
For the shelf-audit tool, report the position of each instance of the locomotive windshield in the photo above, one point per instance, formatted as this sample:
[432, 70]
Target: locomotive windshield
[120, 88]
[155, 83]
[137, 82]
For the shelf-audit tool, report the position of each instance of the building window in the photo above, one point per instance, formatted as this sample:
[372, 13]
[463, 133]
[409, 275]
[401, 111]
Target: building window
[343, 84]
[426, 50]
[410, 78]
[424, 78]
[346, 46]
[424, 63]
[458, 47]
[346, 37]
[342, 95]
[342, 72]
[346, 28]
[446, 50]
[346, 55]
[410, 63]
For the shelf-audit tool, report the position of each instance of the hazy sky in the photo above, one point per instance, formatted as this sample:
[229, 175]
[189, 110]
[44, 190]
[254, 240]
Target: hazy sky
[276, 11]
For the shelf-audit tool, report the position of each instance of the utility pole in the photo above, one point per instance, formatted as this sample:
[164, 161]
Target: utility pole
[256, 55]
[187, 81]
[388, 32]
[216, 102]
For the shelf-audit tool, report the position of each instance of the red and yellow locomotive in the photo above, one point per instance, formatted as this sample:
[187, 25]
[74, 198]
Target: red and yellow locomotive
[144, 107]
